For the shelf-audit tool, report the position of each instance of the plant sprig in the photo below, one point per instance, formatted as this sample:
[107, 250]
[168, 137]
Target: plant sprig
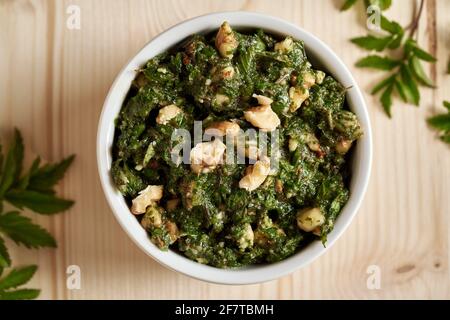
[34, 190]
[441, 123]
[403, 60]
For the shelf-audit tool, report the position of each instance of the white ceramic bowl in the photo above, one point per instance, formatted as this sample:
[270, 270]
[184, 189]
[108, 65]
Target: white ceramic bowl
[322, 57]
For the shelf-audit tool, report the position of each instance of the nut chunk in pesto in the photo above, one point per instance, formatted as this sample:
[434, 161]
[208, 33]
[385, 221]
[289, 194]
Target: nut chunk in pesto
[309, 219]
[223, 128]
[262, 116]
[206, 156]
[231, 200]
[146, 197]
[226, 41]
[167, 113]
[255, 176]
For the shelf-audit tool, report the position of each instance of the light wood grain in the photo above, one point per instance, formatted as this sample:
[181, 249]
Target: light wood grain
[52, 84]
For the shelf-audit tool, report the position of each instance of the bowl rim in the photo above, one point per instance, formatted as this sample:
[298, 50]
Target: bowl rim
[175, 261]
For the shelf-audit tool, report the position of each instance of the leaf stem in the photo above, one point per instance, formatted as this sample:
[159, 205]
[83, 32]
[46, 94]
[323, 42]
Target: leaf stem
[416, 18]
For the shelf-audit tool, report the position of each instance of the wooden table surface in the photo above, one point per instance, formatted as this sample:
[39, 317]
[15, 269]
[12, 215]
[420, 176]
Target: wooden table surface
[53, 81]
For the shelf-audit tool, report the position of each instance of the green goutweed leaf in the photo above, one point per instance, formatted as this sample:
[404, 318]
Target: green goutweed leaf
[23, 231]
[348, 4]
[417, 69]
[20, 294]
[13, 164]
[17, 277]
[386, 100]
[5, 260]
[377, 62]
[441, 123]
[44, 179]
[39, 202]
[372, 43]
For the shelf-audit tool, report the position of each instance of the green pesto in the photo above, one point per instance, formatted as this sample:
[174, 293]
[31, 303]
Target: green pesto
[214, 215]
